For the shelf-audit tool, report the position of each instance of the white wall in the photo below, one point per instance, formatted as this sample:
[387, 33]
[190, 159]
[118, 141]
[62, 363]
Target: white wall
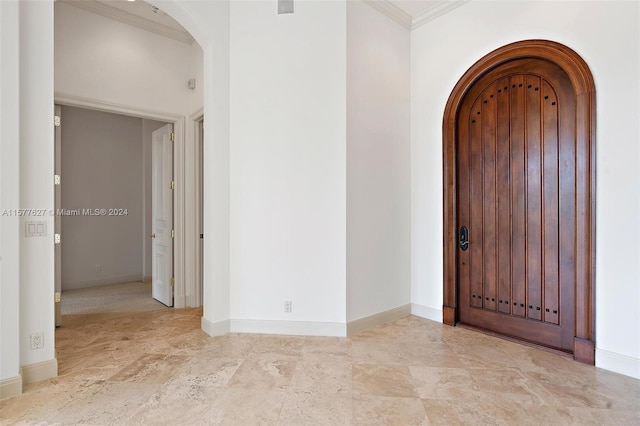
[378, 163]
[9, 195]
[36, 189]
[288, 170]
[106, 60]
[606, 35]
[102, 167]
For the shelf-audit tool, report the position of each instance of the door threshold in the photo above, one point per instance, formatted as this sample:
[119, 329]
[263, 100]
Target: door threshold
[515, 340]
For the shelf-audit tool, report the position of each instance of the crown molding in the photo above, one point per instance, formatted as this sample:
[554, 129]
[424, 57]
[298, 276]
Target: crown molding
[392, 11]
[435, 11]
[131, 19]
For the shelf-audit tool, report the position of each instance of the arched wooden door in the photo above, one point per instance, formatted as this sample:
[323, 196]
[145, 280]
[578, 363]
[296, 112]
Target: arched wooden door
[518, 197]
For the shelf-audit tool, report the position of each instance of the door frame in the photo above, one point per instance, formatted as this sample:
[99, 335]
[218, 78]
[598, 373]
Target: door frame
[583, 85]
[196, 199]
[180, 219]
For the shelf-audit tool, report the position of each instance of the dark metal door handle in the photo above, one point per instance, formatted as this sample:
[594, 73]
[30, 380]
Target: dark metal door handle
[463, 238]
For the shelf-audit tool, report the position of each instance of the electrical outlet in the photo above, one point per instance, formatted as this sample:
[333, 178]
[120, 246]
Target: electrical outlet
[37, 340]
[287, 306]
[98, 268]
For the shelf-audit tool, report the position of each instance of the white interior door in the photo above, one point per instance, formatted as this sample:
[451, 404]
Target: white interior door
[162, 215]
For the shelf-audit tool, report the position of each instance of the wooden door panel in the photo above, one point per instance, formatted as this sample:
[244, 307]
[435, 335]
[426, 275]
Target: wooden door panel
[476, 261]
[510, 195]
[518, 199]
[503, 195]
[463, 214]
[488, 194]
[550, 204]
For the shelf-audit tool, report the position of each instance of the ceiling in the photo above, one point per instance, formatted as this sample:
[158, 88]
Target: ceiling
[416, 8]
[138, 13]
[144, 10]
[408, 13]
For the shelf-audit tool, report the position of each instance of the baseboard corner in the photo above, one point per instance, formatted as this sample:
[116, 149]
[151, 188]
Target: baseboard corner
[218, 328]
[10, 387]
[426, 312]
[39, 371]
[361, 324]
[618, 363]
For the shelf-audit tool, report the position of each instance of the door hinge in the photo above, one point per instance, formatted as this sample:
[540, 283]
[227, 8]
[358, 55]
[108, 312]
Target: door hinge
[57, 297]
[172, 281]
[172, 136]
[173, 233]
[172, 185]
[56, 179]
[56, 238]
[56, 120]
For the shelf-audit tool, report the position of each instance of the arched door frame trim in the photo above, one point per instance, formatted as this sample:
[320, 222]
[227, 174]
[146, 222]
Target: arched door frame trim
[584, 88]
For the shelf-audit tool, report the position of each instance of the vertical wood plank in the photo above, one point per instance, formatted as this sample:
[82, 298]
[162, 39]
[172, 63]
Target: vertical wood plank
[476, 270]
[534, 198]
[518, 199]
[464, 126]
[503, 194]
[489, 238]
[568, 215]
[583, 237]
[550, 204]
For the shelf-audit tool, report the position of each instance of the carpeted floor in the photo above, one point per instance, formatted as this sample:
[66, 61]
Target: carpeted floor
[114, 298]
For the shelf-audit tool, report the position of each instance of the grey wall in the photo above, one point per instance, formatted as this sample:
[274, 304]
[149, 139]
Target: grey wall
[103, 167]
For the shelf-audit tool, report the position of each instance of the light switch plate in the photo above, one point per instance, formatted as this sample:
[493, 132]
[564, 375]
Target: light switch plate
[36, 228]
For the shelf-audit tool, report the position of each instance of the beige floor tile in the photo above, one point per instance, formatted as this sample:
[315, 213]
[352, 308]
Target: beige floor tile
[150, 368]
[103, 403]
[329, 376]
[405, 354]
[176, 404]
[383, 381]
[216, 372]
[324, 348]
[251, 407]
[471, 412]
[441, 383]
[316, 408]
[158, 367]
[265, 374]
[381, 410]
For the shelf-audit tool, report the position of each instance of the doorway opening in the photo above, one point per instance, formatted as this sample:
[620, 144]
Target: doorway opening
[115, 210]
[107, 63]
[519, 200]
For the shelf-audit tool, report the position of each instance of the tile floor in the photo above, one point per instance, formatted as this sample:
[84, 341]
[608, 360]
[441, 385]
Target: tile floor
[160, 368]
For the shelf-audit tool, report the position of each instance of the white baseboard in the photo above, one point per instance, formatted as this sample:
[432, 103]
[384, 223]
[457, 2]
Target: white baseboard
[618, 363]
[356, 326]
[426, 312]
[218, 328]
[294, 328]
[39, 371]
[10, 387]
[102, 281]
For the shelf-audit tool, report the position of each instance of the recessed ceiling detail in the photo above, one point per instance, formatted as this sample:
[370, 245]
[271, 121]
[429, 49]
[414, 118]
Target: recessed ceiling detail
[413, 13]
[139, 14]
